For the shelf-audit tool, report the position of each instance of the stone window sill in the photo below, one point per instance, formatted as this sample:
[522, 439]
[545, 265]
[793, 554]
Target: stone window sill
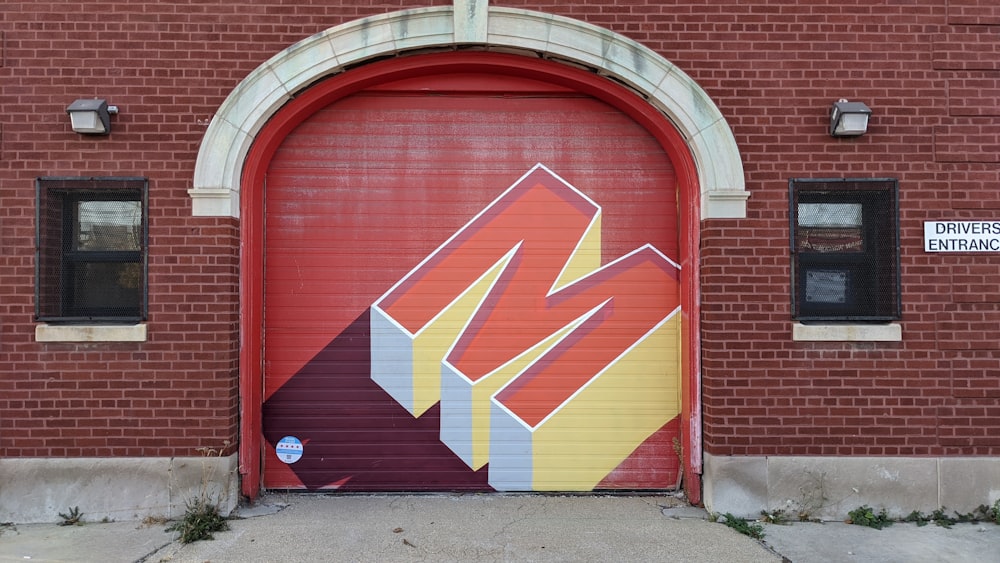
[892, 332]
[90, 333]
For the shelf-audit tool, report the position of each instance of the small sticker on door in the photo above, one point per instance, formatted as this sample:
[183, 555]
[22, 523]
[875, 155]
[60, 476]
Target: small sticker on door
[289, 449]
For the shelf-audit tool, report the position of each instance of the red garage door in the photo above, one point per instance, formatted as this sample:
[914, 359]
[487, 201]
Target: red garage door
[470, 283]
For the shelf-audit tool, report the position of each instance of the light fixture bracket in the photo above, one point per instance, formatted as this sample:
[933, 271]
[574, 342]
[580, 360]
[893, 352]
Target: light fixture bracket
[849, 119]
[91, 116]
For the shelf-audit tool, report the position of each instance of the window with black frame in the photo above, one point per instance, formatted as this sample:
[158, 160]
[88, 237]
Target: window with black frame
[845, 249]
[91, 249]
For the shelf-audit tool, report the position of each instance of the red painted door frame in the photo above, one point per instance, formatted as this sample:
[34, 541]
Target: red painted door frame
[326, 92]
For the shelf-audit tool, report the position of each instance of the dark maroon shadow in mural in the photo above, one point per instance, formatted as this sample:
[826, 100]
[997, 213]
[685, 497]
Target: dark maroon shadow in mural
[354, 433]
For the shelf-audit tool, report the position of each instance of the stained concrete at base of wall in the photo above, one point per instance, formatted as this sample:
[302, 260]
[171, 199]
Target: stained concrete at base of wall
[35, 490]
[827, 488]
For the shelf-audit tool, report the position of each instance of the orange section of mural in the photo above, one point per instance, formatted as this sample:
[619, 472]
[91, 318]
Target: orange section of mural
[548, 366]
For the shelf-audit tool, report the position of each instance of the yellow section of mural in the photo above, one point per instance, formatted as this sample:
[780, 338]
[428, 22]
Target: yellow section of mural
[586, 258]
[433, 341]
[594, 431]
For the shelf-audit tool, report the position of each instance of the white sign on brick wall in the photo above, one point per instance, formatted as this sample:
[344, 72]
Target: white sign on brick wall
[962, 236]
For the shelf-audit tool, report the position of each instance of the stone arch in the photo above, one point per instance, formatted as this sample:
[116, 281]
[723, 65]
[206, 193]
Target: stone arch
[468, 24]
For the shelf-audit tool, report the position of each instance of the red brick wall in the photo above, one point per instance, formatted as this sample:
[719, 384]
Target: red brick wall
[926, 67]
[168, 67]
[935, 126]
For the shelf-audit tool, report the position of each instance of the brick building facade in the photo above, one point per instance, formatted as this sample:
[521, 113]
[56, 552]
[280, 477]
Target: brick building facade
[901, 412]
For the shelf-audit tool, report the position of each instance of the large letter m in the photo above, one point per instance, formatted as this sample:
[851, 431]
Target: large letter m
[549, 366]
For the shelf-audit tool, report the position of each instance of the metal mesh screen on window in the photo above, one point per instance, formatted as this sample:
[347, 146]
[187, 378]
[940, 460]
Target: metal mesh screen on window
[107, 225]
[844, 238]
[91, 262]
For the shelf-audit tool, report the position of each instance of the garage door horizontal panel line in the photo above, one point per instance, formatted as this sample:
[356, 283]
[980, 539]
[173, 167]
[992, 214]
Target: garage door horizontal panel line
[386, 256]
[475, 135]
[392, 479]
[347, 213]
[333, 123]
[364, 212]
[383, 262]
[365, 132]
[327, 121]
[349, 231]
[365, 440]
[342, 286]
[372, 179]
[437, 93]
[305, 315]
[430, 159]
[334, 274]
[310, 338]
[344, 233]
[348, 171]
[319, 270]
[334, 197]
[347, 364]
[292, 347]
[444, 122]
[300, 238]
[487, 86]
[339, 295]
[594, 344]
[297, 255]
[302, 409]
[454, 110]
[467, 139]
[360, 450]
[287, 328]
[450, 166]
[365, 191]
[338, 283]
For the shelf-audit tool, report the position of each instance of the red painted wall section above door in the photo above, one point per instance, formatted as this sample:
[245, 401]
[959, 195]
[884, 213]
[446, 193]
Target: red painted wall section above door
[442, 313]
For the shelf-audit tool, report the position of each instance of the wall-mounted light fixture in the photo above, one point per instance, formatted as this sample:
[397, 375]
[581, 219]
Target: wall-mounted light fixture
[91, 117]
[849, 119]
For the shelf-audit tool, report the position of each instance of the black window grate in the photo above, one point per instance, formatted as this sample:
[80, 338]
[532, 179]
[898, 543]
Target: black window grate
[845, 249]
[91, 249]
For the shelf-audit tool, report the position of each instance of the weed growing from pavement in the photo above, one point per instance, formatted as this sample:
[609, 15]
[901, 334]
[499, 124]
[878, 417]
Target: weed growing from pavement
[72, 517]
[200, 522]
[865, 515]
[202, 517]
[940, 517]
[774, 516]
[743, 526]
[918, 518]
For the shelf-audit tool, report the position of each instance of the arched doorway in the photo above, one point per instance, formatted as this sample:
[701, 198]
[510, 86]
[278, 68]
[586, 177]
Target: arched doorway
[714, 174]
[440, 312]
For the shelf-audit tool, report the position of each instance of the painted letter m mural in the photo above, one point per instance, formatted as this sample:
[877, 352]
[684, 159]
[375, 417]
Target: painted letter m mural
[549, 366]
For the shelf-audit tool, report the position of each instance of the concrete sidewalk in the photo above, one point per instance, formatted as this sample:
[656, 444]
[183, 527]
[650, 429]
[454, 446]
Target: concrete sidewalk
[386, 528]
